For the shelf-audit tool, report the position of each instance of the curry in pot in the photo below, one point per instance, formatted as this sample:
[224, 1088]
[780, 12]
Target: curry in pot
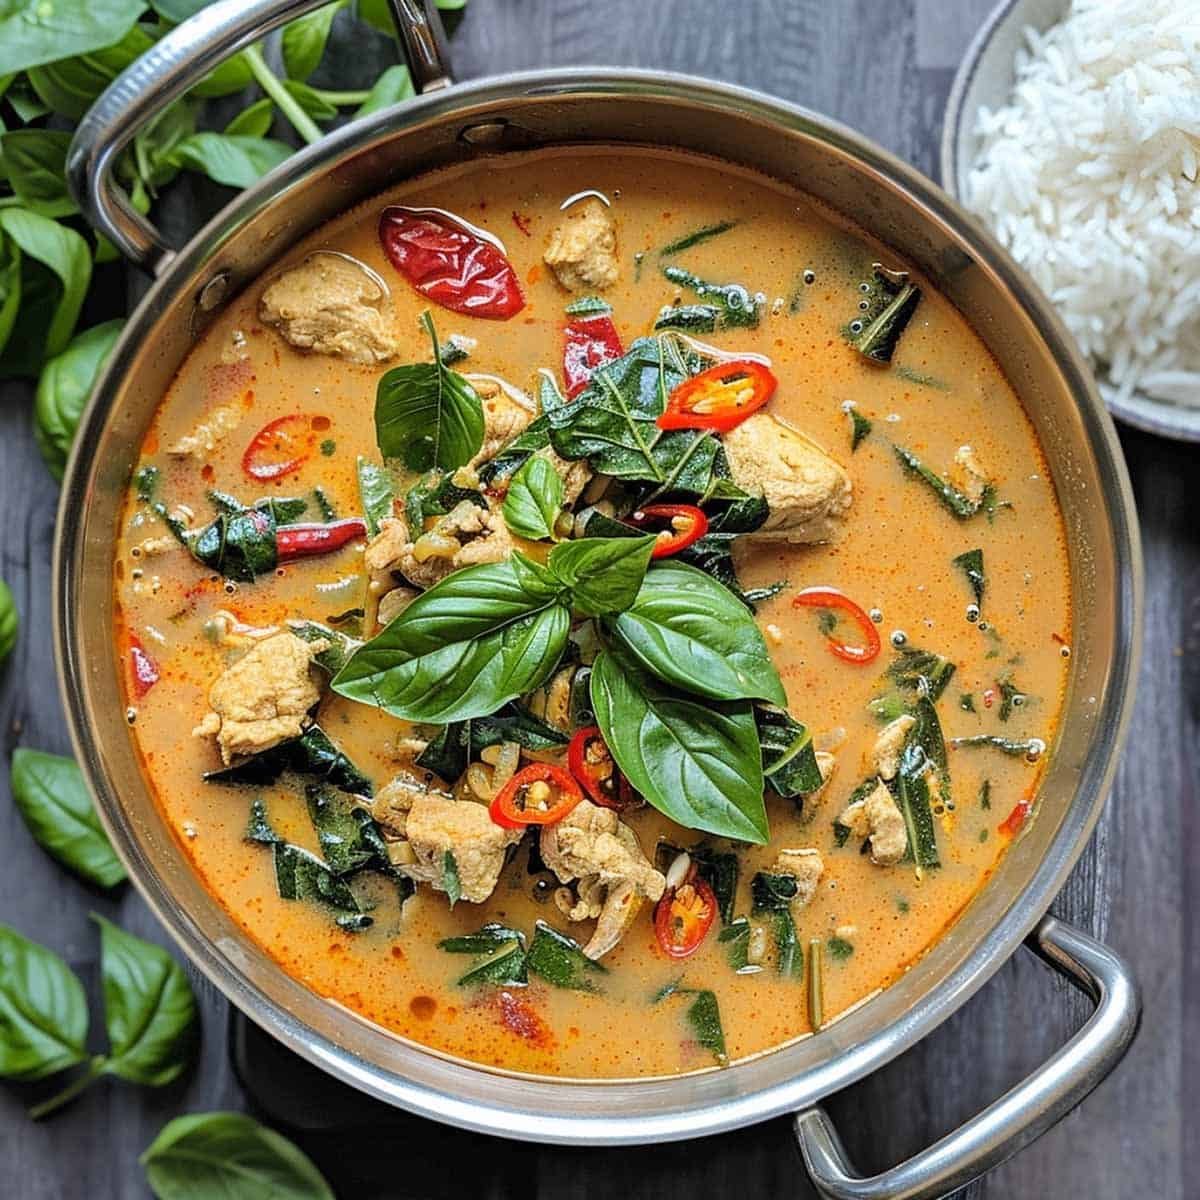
[593, 633]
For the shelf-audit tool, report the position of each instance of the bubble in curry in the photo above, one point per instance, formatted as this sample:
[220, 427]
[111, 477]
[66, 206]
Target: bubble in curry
[597, 633]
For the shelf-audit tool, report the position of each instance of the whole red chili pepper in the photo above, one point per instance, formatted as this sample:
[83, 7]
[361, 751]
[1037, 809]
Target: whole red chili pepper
[450, 264]
[590, 343]
[303, 541]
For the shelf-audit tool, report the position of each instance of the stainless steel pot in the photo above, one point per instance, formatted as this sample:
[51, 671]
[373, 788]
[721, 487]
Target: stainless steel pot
[871, 187]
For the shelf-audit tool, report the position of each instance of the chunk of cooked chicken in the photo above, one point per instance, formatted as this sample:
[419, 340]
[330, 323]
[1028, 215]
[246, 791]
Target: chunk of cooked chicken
[436, 826]
[465, 536]
[392, 803]
[212, 429]
[264, 698]
[330, 304]
[878, 818]
[889, 745]
[504, 416]
[592, 845]
[582, 251]
[826, 764]
[807, 492]
[806, 867]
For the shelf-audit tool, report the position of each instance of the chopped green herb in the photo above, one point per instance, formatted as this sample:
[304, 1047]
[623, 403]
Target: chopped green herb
[772, 894]
[788, 757]
[860, 427]
[827, 621]
[959, 503]
[735, 305]
[1010, 697]
[696, 237]
[901, 905]
[704, 1016]
[328, 447]
[300, 875]
[890, 307]
[559, 960]
[920, 672]
[841, 833]
[324, 504]
[970, 562]
[967, 702]
[258, 827]
[1026, 747]
[983, 835]
[923, 749]
[921, 380]
[375, 493]
[688, 318]
[589, 306]
[985, 794]
[451, 883]
[145, 483]
[499, 953]
[839, 948]
[312, 753]
[736, 939]
[719, 870]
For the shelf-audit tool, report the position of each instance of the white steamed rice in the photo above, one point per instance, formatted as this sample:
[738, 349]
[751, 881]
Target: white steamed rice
[1088, 175]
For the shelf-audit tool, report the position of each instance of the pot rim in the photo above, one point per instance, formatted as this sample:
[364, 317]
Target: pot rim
[547, 1118]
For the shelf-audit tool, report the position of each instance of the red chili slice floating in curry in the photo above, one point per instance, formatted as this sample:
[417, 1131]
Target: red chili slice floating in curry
[720, 398]
[837, 602]
[592, 765]
[684, 915]
[282, 446]
[685, 524]
[539, 795]
[451, 263]
[590, 343]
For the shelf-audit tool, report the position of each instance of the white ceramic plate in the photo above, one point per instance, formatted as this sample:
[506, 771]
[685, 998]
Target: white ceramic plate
[985, 78]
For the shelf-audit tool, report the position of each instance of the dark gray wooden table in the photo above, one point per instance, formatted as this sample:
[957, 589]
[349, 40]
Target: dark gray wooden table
[884, 68]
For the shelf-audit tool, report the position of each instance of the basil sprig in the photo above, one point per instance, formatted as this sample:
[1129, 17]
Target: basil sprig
[533, 500]
[149, 1014]
[488, 634]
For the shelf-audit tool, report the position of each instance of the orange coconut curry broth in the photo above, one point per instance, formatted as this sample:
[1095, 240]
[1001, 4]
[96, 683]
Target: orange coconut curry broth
[635, 682]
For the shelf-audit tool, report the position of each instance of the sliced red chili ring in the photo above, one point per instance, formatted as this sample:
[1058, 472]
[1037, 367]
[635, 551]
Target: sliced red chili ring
[684, 916]
[305, 541]
[720, 398]
[592, 764]
[143, 669]
[450, 263]
[685, 524]
[590, 343]
[835, 601]
[281, 447]
[520, 802]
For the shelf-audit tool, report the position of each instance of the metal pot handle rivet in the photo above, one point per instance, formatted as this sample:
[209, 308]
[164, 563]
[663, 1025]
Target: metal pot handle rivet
[1022, 1114]
[176, 63]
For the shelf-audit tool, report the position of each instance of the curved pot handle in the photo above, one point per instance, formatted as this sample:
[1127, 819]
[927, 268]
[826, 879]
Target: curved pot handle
[176, 63]
[1019, 1116]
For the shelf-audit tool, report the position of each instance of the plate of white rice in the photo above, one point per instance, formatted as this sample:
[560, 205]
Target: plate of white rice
[1073, 132]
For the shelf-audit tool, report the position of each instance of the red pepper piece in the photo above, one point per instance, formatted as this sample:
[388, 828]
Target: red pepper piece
[592, 765]
[514, 805]
[1011, 825]
[835, 601]
[143, 669]
[450, 264]
[685, 524]
[304, 541]
[720, 398]
[280, 447]
[590, 343]
[684, 916]
[519, 1017]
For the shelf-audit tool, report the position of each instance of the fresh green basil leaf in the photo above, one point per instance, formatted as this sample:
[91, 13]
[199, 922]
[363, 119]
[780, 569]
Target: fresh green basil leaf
[735, 937]
[534, 500]
[206, 1156]
[691, 632]
[53, 799]
[233, 160]
[43, 1010]
[177, 11]
[64, 388]
[736, 307]
[957, 502]
[333, 658]
[35, 161]
[225, 79]
[534, 577]
[69, 86]
[25, 102]
[10, 288]
[305, 38]
[313, 102]
[300, 875]
[559, 960]
[704, 1016]
[254, 121]
[312, 753]
[66, 254]
[788, 757]
[697, 762]
[970, 562]
[603, 574]
[535, 436]
[10, 621]
[149, 1009]
[32, 32]
[375, 493]
[427, 415]
[394, 85]
[919, 672]
[155, 142]
[348, 837]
